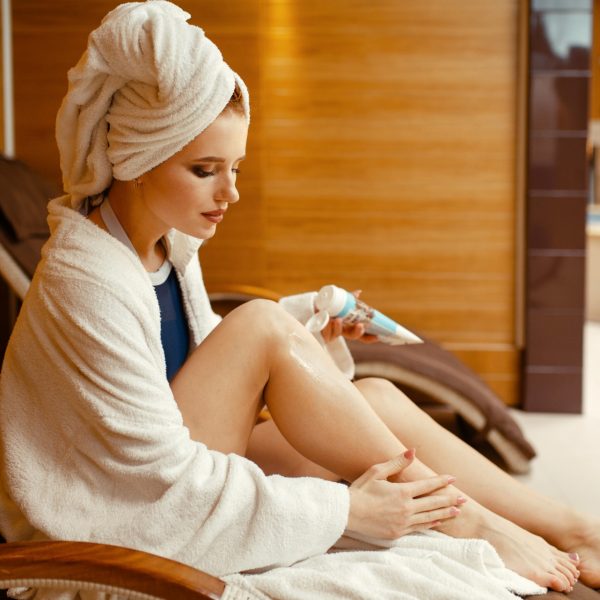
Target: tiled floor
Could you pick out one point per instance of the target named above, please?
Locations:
(568, 463)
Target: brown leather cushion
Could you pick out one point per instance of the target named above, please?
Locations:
(24, 197)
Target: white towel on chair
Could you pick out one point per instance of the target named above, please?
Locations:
(430, 566)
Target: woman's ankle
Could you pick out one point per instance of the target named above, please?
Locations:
(471, 523)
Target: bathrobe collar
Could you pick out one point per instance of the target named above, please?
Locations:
(181, 248)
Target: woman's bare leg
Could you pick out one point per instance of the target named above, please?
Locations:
(263, 351)
(276, 456)
(485, 482)
(265, 355)
(480, 479)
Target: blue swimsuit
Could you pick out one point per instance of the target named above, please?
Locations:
(174, 332)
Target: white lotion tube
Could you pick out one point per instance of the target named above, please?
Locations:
(335, 302)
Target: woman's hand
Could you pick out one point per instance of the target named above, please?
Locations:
(337, 327)
(382, 509)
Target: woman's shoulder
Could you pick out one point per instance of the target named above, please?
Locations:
(81, 257)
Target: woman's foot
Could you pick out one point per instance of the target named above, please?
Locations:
(527, 554)
(531, 556)
(584, 540)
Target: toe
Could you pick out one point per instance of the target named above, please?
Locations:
(570, 575)
(559, 582)
(567, 565)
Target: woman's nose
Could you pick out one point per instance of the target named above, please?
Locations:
(228, 192)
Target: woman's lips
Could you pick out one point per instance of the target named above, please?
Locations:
(215, 216)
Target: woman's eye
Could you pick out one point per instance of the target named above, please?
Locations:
(200, 172)
(236, 171)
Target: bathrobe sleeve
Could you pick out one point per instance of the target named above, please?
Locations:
(97, 448)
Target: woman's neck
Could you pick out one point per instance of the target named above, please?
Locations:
(142, 230)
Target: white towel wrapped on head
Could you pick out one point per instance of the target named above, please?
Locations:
(147, 85)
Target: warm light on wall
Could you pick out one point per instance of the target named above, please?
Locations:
(280, 25)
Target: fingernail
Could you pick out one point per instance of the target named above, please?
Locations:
(461, 500)
(451, 479)
(410, 453)
(574, 556)
(455, 511)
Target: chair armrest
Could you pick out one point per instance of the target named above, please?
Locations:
(53, 562)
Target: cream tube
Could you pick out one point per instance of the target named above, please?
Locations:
(335, 302)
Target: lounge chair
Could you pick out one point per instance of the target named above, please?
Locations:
(439, 381)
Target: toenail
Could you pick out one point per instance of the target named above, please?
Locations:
(574, 556)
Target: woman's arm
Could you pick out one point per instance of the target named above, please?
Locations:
(97, 450)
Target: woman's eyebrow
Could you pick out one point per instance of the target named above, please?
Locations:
(215, 159)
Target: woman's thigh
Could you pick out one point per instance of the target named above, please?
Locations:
(219, 388)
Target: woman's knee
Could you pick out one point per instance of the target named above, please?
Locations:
(265, 319)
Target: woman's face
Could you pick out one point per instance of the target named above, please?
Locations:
(192, 190)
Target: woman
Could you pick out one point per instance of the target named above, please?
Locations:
(127, 407)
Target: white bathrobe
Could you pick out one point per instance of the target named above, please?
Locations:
(93, 445)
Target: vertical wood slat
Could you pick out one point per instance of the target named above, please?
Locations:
(381, 153)
(1, 86)
(5, 292)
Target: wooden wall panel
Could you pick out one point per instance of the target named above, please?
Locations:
(389, 136)
(48, 39)
(381, 153)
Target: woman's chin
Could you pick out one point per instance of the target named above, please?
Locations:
(200, 233)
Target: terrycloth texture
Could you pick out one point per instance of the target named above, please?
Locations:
(428, 566)
(155, 80)
(92, 443)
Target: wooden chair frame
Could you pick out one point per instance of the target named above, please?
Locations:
(104, 568)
